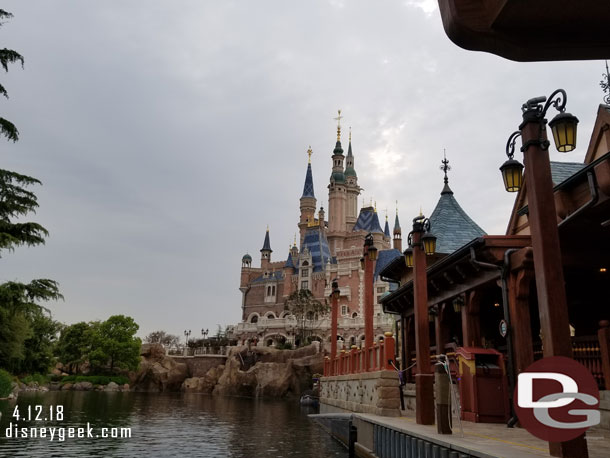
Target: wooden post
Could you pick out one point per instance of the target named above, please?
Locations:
(333, 325)
(424, 379)
(518, 304)
(442, 397)
(604, 345)
(368, 306)
(550, 284)
(471, 325)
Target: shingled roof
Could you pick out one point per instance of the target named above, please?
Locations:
(368, 221)
(385, 257)
(561, 171)
(451, 225)
(315, 241)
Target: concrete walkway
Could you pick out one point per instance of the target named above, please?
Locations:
(487, 440)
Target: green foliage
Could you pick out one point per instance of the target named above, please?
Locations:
(74, 344)
(27, 331)
(6, 383)
(284, 346)
(307, 311)
(114, 344)
(95, 379)
(163, 338)
(37, 378)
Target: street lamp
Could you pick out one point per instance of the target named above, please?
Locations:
(204, 333)
(370, 256)
(187, 335)
(334, 295)
(548, 267)
(422, 243)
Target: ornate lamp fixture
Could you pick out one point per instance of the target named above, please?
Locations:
(335, 289)
(563, 125)
(428, 240)
(371, 250)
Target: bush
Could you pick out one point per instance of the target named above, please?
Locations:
(284, 346)
(95, 379)
(6, 383)
(38, 378)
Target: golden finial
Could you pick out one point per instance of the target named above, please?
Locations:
(267, 228)
(396, 207)
(295, 239)
(350, 134)
(338, 119)
(421, 213)
(375, 206)
(309, 153)
(386, 213)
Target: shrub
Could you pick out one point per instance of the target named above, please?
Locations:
(6, 383)
(38, 378)
(95, 379)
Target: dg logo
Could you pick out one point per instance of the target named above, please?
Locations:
(557, 399)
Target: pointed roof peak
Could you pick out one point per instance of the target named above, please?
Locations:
(445, 167)
(266, 243)
(308, 186)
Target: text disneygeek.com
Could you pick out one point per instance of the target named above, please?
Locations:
(61, 433)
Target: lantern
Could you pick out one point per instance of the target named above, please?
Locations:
(409, 257)
(512, 173)
(429, 242)
(564, 131)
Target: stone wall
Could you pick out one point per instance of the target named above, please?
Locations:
(199, 365)
(368, 392)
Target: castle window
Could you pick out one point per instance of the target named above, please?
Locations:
(254, 319)
(344, 310)
(273, 290)
(380, 289)
(305, 284)
(304, 272)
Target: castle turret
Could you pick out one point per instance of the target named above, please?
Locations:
(353, 190)
(397, 233)
(337, 195)
(266, 251)
(308, 200)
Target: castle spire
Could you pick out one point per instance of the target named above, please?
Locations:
(308, 187)
(445, 167)
(386, 229)
(266, 243)
(396, 222)
(338, 119)
(397, 232)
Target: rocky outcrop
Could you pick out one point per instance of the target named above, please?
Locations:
(263, 371)
(253, 372)
(158, 372)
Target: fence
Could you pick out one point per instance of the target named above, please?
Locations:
(379, 357)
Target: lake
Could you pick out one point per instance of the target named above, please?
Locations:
(161, 425)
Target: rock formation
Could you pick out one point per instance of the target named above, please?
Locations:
(158, 372)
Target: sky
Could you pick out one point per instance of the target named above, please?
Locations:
(169, 134)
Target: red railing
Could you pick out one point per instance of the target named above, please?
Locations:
(355, 360)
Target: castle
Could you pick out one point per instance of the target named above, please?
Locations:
(328, 249)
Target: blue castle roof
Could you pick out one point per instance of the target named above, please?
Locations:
(315, 241)
(368, 221)
(308, 187)
(385, 257)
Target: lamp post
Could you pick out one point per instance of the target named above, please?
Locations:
(334, 295)
(370, 257)
(550, 285)
(204, 333)
(187, 335)
(421, 243)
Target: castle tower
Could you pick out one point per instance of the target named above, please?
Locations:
(266, 252)
(308, 201)
(397, 233)
(337, 196)
(353, 190)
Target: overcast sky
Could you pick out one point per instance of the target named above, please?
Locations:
(169, 134)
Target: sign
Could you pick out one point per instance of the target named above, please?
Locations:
(503, 328)
(557, 399)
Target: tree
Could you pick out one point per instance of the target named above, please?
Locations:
(74, 345)
(114, 344)
(163, 338)
(22, 320)
(307, 310)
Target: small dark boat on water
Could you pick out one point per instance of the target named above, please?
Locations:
(309, 400)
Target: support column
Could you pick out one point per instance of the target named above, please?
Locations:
(550, 283)
(333, 325)
(471, 324)
(424, 379)
(441, 330)
(604, 345)
(521, 330)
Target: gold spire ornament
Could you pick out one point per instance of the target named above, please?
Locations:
(338, 119)
(295, 239)
(350, 134)
(309, 153)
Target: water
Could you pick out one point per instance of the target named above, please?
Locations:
(167, 425)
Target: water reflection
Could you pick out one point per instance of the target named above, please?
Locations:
(171, 425)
